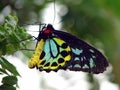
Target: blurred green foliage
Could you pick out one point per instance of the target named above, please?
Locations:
(11, 39)
(96, 21)
(11, 34)
(9, 81)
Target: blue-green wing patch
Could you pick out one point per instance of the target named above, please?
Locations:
(55, 54)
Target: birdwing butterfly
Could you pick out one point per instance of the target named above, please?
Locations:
(60, 50)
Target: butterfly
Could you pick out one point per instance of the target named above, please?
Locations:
(57, 50)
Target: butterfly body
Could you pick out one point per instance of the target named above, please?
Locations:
(60, 50)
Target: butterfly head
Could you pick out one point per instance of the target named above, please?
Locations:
(46, 32)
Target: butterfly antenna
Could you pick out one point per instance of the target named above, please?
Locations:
(41, 25)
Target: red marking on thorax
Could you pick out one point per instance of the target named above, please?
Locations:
(47, 31)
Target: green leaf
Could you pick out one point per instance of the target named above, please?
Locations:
(10, 80)
(3, 71)
(13, 20)
(8, 27)
(10, 48)
(7, 87)
(3, 47)
(2, 31)
(10, 67)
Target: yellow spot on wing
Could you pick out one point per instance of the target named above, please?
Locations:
(59, 41)
(54, 67)
(34, 61)
(67, 58)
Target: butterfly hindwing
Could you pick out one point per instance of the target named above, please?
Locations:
(54, 55)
